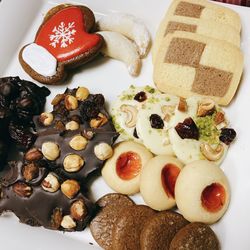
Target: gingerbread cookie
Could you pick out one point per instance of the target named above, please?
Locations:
(63, 41)
(197, 236)
(102, 225)
(127, 231)
(160, 229)
(39, 197)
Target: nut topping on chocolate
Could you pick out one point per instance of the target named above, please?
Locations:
(33, 154)
(205, 107)
(182, 106)
(82, 93)
(103, 151)
(46, 118)
(50, 150)
(30, 171)
(71, 102)
(72, 125)
(70, 188)
(78, 210)
(99, 121)
(51, 183)
(56, 218)
(68, 222)
(73, 163)
(78, 142)
(22, 189)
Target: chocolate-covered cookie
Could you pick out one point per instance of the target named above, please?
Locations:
(196, 236)
(160, 229)
(39, 197)
(102, 225)
(63, 41)
(126, 232)
(76, 137)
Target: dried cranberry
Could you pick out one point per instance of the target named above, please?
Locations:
(156, 121)
(89, 110)
(135, 134)
(227, 135)
(187, 129)
(140, 96)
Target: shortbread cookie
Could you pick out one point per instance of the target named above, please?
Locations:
(160, 229)
(152, 124)
(121, 48)
(159, 176)
(122, 171)
(202, 192)
(204, 27)
(62, 42)
(102, 225)
(127, 231)
(129, 26)
(202, 9)
(125, 109)
(190, 64)
(197, 133)
(195, 235)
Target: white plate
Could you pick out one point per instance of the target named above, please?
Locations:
(19, 21)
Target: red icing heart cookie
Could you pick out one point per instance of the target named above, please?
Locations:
(63, 41)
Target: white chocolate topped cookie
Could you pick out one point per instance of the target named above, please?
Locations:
(125, 109)
(153, 124)
(197, 133)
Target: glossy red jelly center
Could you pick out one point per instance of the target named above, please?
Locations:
(169, 175)
(213, 197)
(128, 165)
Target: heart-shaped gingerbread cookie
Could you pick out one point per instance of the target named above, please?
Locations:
(63, 41)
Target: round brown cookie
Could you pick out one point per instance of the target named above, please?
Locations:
(195, 236)
(160, 230)
(114, 199)
(102, 225)
(127, 230)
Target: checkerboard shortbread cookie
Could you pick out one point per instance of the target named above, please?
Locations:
(200, 26)
(190, 64)
(202, 9)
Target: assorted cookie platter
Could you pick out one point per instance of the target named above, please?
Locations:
(128, 130)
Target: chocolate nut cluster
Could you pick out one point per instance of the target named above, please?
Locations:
(20, 100)
(48, 187)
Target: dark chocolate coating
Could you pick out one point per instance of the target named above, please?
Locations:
(105, 133)
(37, 209)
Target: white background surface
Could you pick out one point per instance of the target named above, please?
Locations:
(19, 21)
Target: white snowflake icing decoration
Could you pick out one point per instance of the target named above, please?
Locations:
(63, 35)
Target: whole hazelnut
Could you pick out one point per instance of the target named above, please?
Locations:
(50, 150)
(50, 183)
(33, 154)
(82, 93)
(72, 125)
(70, 188)
(30, 171)
(70, 102)
(103, 151)
(78, 210)
(68, 222)
(46, 118)
(78, 142)
(73, 163)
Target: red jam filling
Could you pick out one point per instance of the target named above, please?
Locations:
(128, 165)
(213, 197)
(169, 175)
